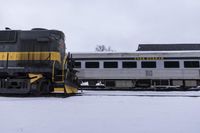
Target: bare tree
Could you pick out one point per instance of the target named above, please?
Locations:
(103, 48)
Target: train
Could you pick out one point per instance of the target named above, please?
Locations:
(140, 70)
(35, 62)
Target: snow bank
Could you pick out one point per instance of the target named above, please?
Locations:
(101, 114)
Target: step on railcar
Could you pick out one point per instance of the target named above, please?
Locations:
(34, 62)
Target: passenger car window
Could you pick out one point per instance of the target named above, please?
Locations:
(92, 64)
(171, 64)
(148, 64)
(110, 64)
(128, 64)
(191, 64)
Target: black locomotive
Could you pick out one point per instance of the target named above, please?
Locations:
(34, 61)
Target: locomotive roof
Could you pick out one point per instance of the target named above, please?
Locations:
(33, 30)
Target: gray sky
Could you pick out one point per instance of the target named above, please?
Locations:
(121, 24)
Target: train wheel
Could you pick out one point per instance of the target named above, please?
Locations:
(35, 89)
(45, 87)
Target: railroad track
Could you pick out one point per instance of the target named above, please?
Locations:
(141, 94)
(115, 94)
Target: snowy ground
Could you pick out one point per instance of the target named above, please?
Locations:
(103, 112)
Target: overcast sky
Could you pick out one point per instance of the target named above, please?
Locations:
(121, 24)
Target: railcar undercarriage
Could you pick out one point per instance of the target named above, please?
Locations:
(141, 84)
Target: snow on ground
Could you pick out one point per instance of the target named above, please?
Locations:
(103, 112)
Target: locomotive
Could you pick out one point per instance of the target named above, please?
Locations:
(34, 62)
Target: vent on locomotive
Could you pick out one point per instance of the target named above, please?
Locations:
(34, 52)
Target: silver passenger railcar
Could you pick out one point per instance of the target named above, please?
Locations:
(142, 69)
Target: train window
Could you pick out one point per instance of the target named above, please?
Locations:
(171, 64)
(8, 36)
(148, 64)
(128, 64)
(191, 64)
(110, 64)
(77, 64)
(92, 64)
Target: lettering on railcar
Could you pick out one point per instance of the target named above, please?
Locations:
(148, 58)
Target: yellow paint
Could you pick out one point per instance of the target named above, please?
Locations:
(34, 77)
(3, 55)
(68, 89)
(53, 71)
(12, 56)
(59, 90)
(63, 68)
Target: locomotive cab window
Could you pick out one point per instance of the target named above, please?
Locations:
(191, 64)
(77, 64)
(128, 64)
(92, 64)
(110, 64)
(8, 36)
(171, 64)
(148, 64)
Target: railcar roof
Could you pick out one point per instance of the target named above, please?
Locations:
(139, 54)
(169, 47)
(186, 51)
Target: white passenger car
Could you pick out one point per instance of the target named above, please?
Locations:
(140, 69)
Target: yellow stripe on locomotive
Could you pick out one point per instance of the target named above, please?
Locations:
(17, 56)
